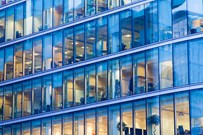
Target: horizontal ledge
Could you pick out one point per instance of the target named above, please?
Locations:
(104, 103)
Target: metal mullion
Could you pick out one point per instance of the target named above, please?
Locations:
(174, 114)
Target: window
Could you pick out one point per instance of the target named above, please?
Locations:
(36, 127)
(79, 123)
(58, 12)
(79, 43)
(26, 128)
(90, 122)
(152, 70)
(124, 2)
(7, 130)
(102, 121)
(37, 96)
(179, 18)
(17, 95)
(16, 130)
(57, 91)
(114, 120)
(47, 93)
(37, 52)
(19, 10)
(2, 26)
(102, 5)
(47, 14)
(166, 67)
(79, 86)
(68, 124)
(114, 79)
(90, 84)
(37, 15)
(68, 88)
(27, 94)
(138, 13)
(46, 126)
(28, 60)
(113, 3)
(180, 57)
(126, 29)
(57, 49)
(28, 17)
(102, 81)
(9, 23)
(167, 114)
(79, 9)
(1, 65)
(68, 11)
(1, 103)
(183, 113)
(101, 43)
(18, 62)
(57, 125)
(165, 19)
(8, 103)
(68, 46)
(47, 52)
(9, 63)
(90, 7)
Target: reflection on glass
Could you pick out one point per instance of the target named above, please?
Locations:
(165, 66)
(90, 7)
(56, 125)
(8, 103)
(57, 91)
(127, 117)
(57, 49)
(102, 79)
(37, 52)
(68, 46)
(9, 63)
(79, 123)
(2, 26)
(79, 43)
(47, 93)
(113, 3)
(7, 130)
(46, 126)
(114, 79)
(139, 73)
(101, 43)
(28, 59)
(47, 52)
(68, 88)
(167, 114)
(36, 127)
(9, 23)
(90, 84)
(58, 12)
(68, 124)
(79, 86)
(1, 103)
(19, 20)
(79, 9)
(114, 120)
(102, 5)
(90, 122)
(37, 97)
(17, 97)
(126, 75)
(182, 112)
(68, 11)
(26, 128)
(102, 121)
(27, 94)
(18, 62)
(16, 130)
(28, 17)
(1, 65)
(47, 14)
(37, 15)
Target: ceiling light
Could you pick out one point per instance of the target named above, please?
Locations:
(127, 36)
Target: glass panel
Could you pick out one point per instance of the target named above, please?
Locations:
(152, 70)
(57, 49)
(124, 2)
(79, 43)
(179, 18)
(36, 127)
(68, 124)
(1, 65)
(37, 97)
(114, 120)
(102, 81)
(196, 63)
(46, 126)
(57, 91)
(27, 97)
(180, 56)
(47, 52)
(139, 25)
(79, 86)
(16, 129)
(9, 24)
(113, 33)
(2, 26)
(90, 84)
(79, 9)
(18, 59)
(28, 60)
(90, 39)
(167, 114)
(79, 123)
(126, 29)
(68, 46)
(101, 45)
(140, 117)
(47, 93)
(114, 79)
(90, 122)
(126, 75)
(28, 17)
(37, 15)
(102, 121)
(165, 20)
(19, 20)
(47, 14)
(57, 125)
(139, 73)
(37, 52)
(113, 3)
(127, 117)
(1, 103)
(9, 62)
(90, 7)
(68, 88)
(68, 11)
(7, 130)
(17, 95)
(153, 118)
(8, 103)
(151, 22)
(58, 12)
(26, 128)
(165, 65)
(182, 112)
(102, 5)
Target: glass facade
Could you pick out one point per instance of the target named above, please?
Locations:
(101, 67)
